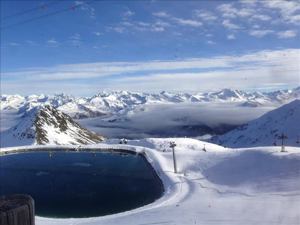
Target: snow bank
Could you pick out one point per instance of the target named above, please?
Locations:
(220, 186)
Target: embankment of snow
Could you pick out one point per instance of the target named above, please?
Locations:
(220, 186)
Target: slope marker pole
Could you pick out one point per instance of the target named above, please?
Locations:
(172, 146)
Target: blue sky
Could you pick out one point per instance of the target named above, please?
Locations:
(83, 47)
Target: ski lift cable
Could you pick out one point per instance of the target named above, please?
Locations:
(24, 12)
(73, 7)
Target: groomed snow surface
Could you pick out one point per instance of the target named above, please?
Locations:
(258, 185)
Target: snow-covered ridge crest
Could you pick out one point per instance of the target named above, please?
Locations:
(265, 130)
(107, 103)
(47, 125)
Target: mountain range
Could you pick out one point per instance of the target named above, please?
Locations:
(108, 103)
(64, 119)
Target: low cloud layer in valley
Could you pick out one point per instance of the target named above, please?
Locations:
(184, 119)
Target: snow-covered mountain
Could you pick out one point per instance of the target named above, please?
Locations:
(137, 115)
(266, 130)
(108, 103)
(47, 125)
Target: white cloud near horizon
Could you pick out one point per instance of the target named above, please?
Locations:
(257, 70)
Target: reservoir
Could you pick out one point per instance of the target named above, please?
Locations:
(67, 184)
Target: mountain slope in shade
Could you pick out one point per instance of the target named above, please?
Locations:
(265, 130)
(46, 125)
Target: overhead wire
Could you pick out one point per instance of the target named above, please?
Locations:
(72, 7)
(24, 12)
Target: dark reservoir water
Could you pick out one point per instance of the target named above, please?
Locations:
(85, 184)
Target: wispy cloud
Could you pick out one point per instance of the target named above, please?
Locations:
(97, 33)
(287, 34)
(205, 15)
(231, 37)
(128, 13)
(75, 39)
(14, 44)
(249, 2)
(227, 10)
(210, 42)
(262, 70)
(158, 29)
(178, 20)
(155, 26)
(31, 43)
(251, 17)
(188, 22)
(260, 33)
(264, 10)
(84, 6)
(261, 17)
(289, 10)
(229, 25)
(119, 29)
(285, 61)
(52, 42)
(162, 14)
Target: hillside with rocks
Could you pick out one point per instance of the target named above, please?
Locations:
(47, 125)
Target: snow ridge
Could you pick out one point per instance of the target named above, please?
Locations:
(266, 130)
